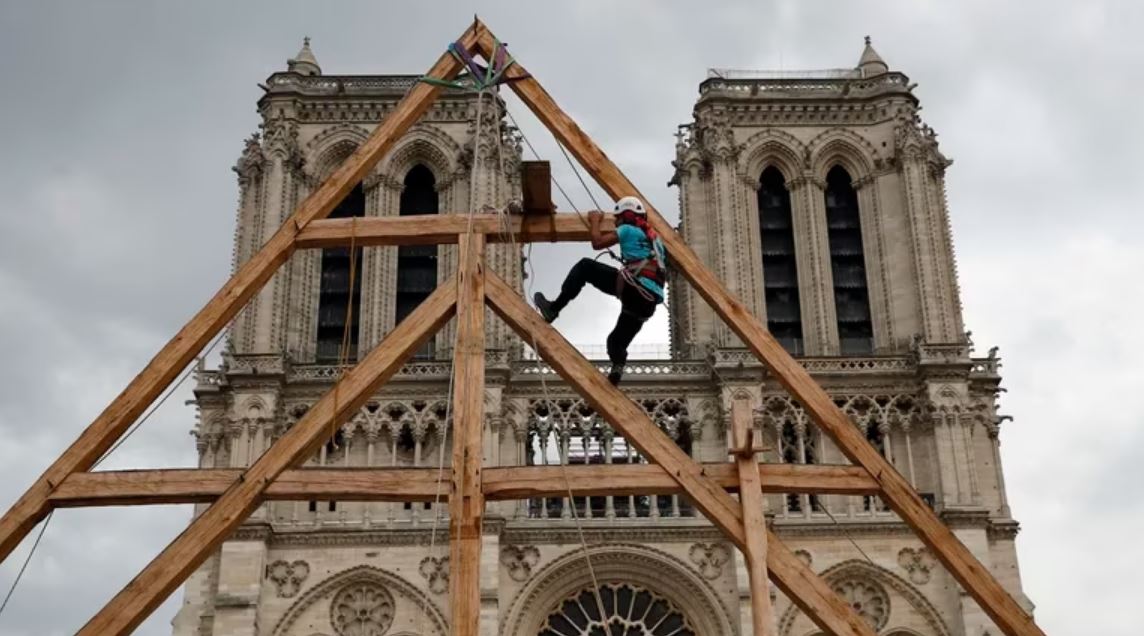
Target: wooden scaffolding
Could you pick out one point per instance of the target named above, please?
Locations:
(234, 494)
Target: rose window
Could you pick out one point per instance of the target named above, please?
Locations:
(868, 600)
(362, 609)
(628, 611)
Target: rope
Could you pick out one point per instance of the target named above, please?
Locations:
(344, 349)
(547, 399)
(20, 574)
(452, 364)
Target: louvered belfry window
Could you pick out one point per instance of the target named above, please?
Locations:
(780, 269)
(338, 299)
(416, 264)
(848, 264)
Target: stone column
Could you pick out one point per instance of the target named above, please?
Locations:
(689, 310)
(878, 280)
(815, 279)
(241, 567)
(924, 196)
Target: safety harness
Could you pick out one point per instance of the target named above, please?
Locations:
(650, 267)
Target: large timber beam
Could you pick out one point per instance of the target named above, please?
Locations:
(204, 485)
(896, 491)
(466, 501)
(755, 524)
(801, 584)
(443, 229)
(165, 572)
(181, 350)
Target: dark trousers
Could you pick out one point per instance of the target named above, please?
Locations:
(636, 308)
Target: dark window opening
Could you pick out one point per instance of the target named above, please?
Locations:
(792, 454)
(780, 269)
(848, 265)
(416, 264)
(877, 439)
(337, 301)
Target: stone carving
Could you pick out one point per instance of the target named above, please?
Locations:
(867, 598)
(288, 576)
(520, 561)
(251, 161)
(709, 558)
(918, 563)
(626, 612)
(804, 556)
(362, 609)
(436, 572)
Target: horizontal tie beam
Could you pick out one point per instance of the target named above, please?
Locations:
(143, 487)
(438, 229)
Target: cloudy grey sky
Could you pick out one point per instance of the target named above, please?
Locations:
(119, 123)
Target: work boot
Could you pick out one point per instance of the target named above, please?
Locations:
(615, 374)
(545, 307)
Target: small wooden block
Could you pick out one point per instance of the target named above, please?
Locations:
(536, 186)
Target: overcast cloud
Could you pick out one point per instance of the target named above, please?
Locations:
(119, 123)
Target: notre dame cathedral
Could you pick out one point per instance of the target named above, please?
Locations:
(818, 197)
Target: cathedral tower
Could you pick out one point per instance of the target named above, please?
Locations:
(818, 197)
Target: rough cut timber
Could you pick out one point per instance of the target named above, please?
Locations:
(165, 572)
(536, 186)
(896, 491)
(803, 586)
(142, 391)
(204, 485)
(754, 524)
(466, 502)
(241, 495)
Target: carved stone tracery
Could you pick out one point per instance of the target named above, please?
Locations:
(362, 609)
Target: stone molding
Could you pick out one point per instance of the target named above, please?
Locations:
(627, 562)
(392, 583)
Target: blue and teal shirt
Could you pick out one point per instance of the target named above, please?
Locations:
(635, 246)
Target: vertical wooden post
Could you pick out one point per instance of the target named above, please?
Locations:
(754, 522)
(466, 501)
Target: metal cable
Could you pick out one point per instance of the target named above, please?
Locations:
(20, 574)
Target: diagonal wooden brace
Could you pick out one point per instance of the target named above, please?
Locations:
(801, 584)
(110, 425)
(896, 491)
(147, 590)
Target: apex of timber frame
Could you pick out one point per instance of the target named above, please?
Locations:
(68, 480)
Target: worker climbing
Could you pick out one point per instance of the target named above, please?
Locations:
(638, 283)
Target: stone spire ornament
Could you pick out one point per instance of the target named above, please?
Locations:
(871, 63)
(304, 63)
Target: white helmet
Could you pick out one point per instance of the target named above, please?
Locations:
(631, 203)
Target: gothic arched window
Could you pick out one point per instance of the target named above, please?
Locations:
(848, 264)
(628, 610)
(416, 264)
(780, 270)
(798, 446)
(339, 302)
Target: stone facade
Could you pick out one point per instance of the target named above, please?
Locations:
(356, 569)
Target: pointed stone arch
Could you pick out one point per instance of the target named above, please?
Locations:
(635, 564)
(330, 147)
(434, 623)
(903, 589)
(427, 145)
(839, 146)
(772, 148)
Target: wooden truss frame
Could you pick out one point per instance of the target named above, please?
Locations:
(234, 494)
